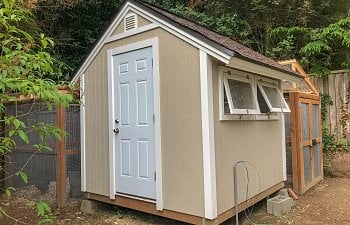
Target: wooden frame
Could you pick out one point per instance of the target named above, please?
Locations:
(295, 98)
(149, 207)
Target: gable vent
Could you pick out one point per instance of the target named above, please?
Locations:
(130, 22)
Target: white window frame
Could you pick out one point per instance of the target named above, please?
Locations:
(262, 81)
(225, 75)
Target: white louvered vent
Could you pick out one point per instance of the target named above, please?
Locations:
(130, 22)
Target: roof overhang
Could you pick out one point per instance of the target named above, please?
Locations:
(254, 67)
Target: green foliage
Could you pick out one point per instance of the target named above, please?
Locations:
(321, 50)
(75, 25)
(326, 100)
(328, 140)
(9, 191)
(26, 63)
(44, 211)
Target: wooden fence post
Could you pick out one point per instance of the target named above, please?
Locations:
(61, 160)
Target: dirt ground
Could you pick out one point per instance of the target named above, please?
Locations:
(326, 203)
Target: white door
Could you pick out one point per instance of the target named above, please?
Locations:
(134, 123)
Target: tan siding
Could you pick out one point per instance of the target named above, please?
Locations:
(180, 116)
(258, 142)
(119, 29)
(96, 106)
(181, 126)
(140, 22)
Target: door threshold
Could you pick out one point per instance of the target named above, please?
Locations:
(136, 198)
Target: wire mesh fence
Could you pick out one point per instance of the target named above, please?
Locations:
(41, 166)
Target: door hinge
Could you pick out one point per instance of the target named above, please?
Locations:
(152, 62)
(154, 118)
(155, 175)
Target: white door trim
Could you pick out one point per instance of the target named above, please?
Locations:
(153, 42)
(208, 142)
(82, 133)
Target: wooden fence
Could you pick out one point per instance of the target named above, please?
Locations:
(337, 86)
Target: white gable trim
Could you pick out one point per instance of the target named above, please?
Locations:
(131, 33)
(208, 142)
(221, 56)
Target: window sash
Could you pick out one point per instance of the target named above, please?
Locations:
(227, 90)
(285, 107)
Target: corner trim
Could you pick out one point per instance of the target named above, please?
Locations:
(209, 169)
(82, 133)
(283, 147)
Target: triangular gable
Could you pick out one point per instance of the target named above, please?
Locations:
(298, 68)
(115, 32)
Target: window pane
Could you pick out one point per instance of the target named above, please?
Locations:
(317, 160)
(315, 121)
(305, 121)
(274, 97)
(226, 105)
(307, 166)
(242, 94)
(264, 108)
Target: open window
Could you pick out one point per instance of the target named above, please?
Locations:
(270, 97)
(239, 93)
(249, 97)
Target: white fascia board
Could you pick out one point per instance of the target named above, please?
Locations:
(245, 65)
(219, 55)
(208, 141)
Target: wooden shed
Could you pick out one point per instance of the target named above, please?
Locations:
(169, 107)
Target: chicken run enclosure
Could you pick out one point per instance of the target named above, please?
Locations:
(303, 132)
(45, 168)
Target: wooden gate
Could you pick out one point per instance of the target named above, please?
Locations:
(305, 139)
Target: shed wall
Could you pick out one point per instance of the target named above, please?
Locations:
(259, 142)
(180, 122)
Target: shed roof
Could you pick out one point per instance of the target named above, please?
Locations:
(218, 41)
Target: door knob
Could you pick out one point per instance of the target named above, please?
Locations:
(116, 121)
(116, 131)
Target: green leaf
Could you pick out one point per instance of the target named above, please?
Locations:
(11, 133)
(17, 123)
(23, 136)
(9, 191)
(23, 176)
